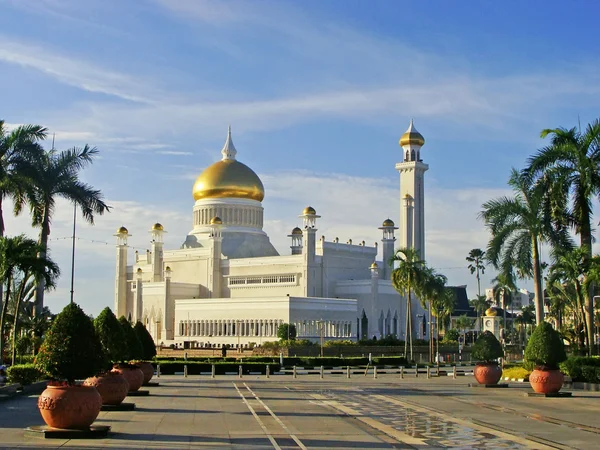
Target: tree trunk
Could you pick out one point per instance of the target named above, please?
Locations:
(41, 286)
(537, 282)
(3, 319)
(16, 321)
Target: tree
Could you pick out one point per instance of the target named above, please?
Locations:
(407, 279)
(18, 258)
(545, 347)
(568, 171)
(148, 345)
(111, 335)
(56, 174)
(433, 291)
(134, 346)
(476, 265)
(71, 350)
(464, 323)
(286, 331)
(518, 226)
(503, 290)
(480, 304)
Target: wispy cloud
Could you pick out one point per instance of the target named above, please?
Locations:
(174, 153)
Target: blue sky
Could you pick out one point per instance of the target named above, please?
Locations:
(317, 93)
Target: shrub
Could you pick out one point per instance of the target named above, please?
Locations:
(286, 331)
(24, 374)
(134, 347)
(573, 366)
(487, 348)
(111, 335)
(340, 343)
(545, 347)
(451, 335)
(71, 349)
(516, 372)
(148, 346)
(390, 361)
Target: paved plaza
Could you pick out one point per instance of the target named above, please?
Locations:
(335, 412)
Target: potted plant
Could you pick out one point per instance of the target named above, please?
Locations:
(546, 350)
(112, 386)
(486, 351)
(131, 372)
(148, 351)
(71, 351)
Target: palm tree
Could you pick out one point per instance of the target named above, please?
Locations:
(476, 265)
(569, 170)
(19, 255)
(56, 174)
(480, 304)
(443, 303)
(407, 279)
(518, 226)
(503, 290)
(433, 286)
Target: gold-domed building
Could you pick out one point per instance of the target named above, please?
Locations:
(227, 284)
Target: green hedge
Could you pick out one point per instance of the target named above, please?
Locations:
(582, 368)
(196, 367)
(24, 374)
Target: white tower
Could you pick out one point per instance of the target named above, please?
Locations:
(388, 241)
(309, 216)
(412, 197)
(121, 276)
(157, 231)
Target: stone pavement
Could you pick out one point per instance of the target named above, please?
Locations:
(335, 412)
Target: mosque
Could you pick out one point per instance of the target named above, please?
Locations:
(227, 284)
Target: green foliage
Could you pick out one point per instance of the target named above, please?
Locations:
(111, 335)
(134, 346)
(517, 373)
(545, 347)
(71, 349)
(148, 346)
(24, 374)
(578, 367)
(487, 348)
(451, 335)
(340, 343)
(387, 341)
(286, 331)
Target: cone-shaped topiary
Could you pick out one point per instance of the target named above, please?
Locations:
(148, 346)
(545, 347)
(111, 335)
(487, 348)
(134, 347)
(71, 349)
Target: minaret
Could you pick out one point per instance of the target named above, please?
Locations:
(157, 251)
(388, 241)
(373, 331)
(296, 236)
(412, 197)
(228, 151)
(214, 263)
(121, 276)
(309, 217)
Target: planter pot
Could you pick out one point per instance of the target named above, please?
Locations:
(132, 374)
(112, 387)
(148, 371)
(546, 381)
(487, 373)
(70, 407)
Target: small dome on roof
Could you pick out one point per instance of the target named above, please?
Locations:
(216, 221)
(157, 227)
(388, 223)
(374, 266)
(309, 211)
(491, 312)
(296, 231)
(122, 230)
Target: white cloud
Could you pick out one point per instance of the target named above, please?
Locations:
(174, 153)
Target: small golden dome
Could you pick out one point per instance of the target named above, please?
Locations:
(412, 136)
(309, 211)
(122, 230)
(374, 266)
(139, 270)
(388, 223)
(491, 312)
(157, 227)
(216, 221)
(296, 231)
(168, 268)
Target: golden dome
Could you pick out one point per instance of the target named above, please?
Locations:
(388, 223)
(374, 266)
(122, 230)
(309, 211)
(296, 231)
(412, 137)
(216, 221)
(228, 178)
(157, 227)
(491, 312)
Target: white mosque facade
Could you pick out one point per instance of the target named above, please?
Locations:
(227, 284)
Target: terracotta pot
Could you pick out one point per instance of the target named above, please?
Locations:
(133, 375)
(148, 370)
(70, 407)
(546, 381)
(487, 373)
(112, 387)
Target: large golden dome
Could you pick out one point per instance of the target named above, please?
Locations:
(228, 178)
(412, 136)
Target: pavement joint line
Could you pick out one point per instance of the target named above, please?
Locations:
(260, 422)
(277, 419)
(469, 423)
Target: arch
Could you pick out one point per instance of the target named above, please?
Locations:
(395, 324)
(388, 323)
(380, 324)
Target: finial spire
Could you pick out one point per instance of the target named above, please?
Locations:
(229, 150)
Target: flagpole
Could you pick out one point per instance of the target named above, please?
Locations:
(73, 252)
